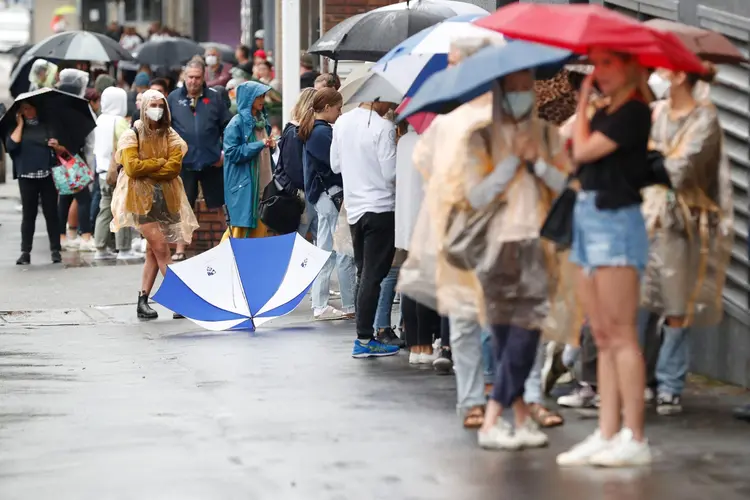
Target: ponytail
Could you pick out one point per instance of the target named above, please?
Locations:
(326, 97)
(306, 124)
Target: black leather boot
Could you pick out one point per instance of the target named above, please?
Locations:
(144, 310)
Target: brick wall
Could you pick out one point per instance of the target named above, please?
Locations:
(338, 10)
(212, 227)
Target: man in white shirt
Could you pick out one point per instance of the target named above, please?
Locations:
(364, 152)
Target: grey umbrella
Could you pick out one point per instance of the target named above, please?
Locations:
(79, 46)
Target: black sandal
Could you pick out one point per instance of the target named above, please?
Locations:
(178, 257)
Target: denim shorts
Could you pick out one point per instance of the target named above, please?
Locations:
(608, 238)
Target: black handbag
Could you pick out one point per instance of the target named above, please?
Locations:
(280, 210)
(558, 226)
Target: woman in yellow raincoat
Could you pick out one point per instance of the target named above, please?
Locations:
(149, 195)
(690, 226)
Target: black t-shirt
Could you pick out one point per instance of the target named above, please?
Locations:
(619, 176)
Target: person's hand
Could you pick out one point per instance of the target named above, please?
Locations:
(54, 145)
(586, 87)
(525, 148)
(161, 161)
(270, 143)
(220, 161)
(19, 120)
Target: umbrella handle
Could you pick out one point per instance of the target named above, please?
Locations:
(226, 217)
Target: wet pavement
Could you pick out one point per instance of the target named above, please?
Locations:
(113, 408)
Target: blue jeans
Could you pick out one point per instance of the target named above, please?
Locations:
(309, 222)
(327, 218)
(608, 238)
(674, 360)
(488, 357)
(96, 198)
(385, 301)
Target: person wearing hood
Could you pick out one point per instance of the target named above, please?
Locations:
(76, 208)
(217, 73)
(247, 158)
(149, 195)
(104, 81)
(42, 75)
(140, 85)
(110, 126)
(199, 115)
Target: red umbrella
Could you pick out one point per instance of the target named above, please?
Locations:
(580, 28)
(419, 121)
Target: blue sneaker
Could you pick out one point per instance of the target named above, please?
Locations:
(373, 348)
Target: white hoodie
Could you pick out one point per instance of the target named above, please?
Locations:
(110, 124)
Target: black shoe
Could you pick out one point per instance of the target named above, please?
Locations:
(144, 310)
(177, 316)
(668, 404)
(24, 259)
(388, 337)
(742, 413)
(56, 257)
(444, 364)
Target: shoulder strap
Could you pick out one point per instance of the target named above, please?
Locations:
(137, 137)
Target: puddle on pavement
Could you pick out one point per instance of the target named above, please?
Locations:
(16, 376)
(57, 317)
(86, 259)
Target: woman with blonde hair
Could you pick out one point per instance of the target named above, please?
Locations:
(149, 195)
(610, 247)
(323, 189)
(288, 173)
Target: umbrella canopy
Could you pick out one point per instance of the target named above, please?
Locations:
(168, 52)
(582, 27)
(356, 79)
(19, 50)
(707, 45)
(393, 81)
(448, 89)
(242, 283)
(69, 117)
(437, 39)
(64, 10)
(80, 46)
(369, 36)
(226, 51)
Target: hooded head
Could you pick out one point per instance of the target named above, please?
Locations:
(246, 94)
(141, 80)
(114, 101)
(42, 72)
(150, 101)
(104, 81)
(73, 81)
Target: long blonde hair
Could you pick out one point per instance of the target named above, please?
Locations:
(323, 97)
(304, 101)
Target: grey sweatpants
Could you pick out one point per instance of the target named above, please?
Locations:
(102, 234)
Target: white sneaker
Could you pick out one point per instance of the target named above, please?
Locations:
(87, 245)
(624, 451)
(499, 437)
(328, 313)
(135, 245)
(128, 255)
(73, 245)
(105, 254)
(428, 359)
(582, 397)
(529, 435)
(581, 453)
(414, 358)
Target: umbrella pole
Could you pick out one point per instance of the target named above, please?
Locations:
(335, 67)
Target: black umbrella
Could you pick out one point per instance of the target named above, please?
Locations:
(80, 46)
(369, 36)
(69, 117)
(226, 51)
(19, 77)
(19, 50)
(169, 52)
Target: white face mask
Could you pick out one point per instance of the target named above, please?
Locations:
(155, 114)
(518, 104)
(659, 85)
(211, 60)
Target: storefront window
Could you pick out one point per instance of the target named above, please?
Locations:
(139, 11)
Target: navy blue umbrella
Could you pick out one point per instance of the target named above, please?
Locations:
(446, 90)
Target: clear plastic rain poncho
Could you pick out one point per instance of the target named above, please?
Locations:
(516, 278)
(42, 74)
(149, 189)
(73, 81)
(691, 225)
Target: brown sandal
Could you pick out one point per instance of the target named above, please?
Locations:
(544, 417)
(474, 418)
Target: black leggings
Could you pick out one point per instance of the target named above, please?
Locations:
(83, 198)
(31, 191)
(421, 324)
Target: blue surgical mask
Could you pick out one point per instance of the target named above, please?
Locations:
(518, 104)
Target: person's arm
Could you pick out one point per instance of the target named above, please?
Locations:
(172, 167)
(482, 190)
(14, 139)
(587, 146)
(236, 151)
(386, 147)
(136, 168)
(319, 147)
(335, 154)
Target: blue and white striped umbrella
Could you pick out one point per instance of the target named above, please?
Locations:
(437, 39)
(242, 283)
